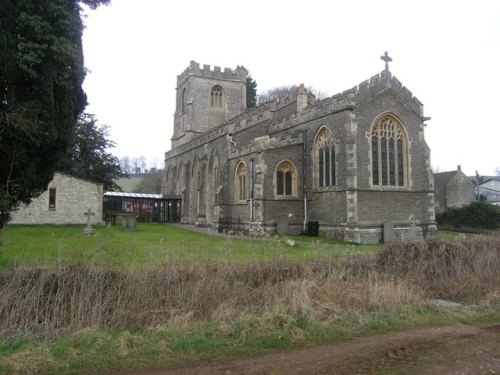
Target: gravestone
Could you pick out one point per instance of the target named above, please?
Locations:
(282, 224)
(413, 226)
(127, 220)
(388, 231)
(88, 228)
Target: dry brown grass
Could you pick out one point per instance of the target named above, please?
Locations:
(39, 301)
(467, 269)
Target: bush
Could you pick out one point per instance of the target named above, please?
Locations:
(480, 215)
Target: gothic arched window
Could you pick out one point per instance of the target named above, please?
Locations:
(325, 159)
(389, 147)
(286, 178)
(241, 182)
(217, 97)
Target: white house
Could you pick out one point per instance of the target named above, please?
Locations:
(489, 190)
(66, 201)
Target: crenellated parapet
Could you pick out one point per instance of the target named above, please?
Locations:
(382, 81)
(321, 108)
(267, 143)
(198, 141)
(238, 74)
(249, 118)
(348, 99)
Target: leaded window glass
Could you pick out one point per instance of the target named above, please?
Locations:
(284, 178)
(389, 145)
(241, 182)
(217, 97)
(326, 168)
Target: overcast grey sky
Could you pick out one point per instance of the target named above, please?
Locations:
(446, 52)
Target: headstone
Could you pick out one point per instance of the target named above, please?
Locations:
(88, 228)
(388, 231)
(413, 226)
(283, 224)
(127, 221)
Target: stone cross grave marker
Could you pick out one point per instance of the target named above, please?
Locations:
(88, 228)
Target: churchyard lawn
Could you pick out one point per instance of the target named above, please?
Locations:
(154, 244)
(164, 297)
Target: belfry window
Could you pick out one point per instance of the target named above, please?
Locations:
(389, 148)
(325, 159)
(217, 97)
(241, 182)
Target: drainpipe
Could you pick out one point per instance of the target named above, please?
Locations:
(304, 178)
(251, 191)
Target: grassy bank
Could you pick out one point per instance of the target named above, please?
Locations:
(93, 318)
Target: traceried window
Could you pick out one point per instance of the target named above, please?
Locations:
(285, 179)
(241, 182)
(217, 97)
(389, 148)
(52, 199)
(325, 159)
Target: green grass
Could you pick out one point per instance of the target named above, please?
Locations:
(99, 352)
(152, 244)
(449, 235)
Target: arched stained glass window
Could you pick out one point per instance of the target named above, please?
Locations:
(285, 179)
(241, 182)
(389, 149)
(325, 159)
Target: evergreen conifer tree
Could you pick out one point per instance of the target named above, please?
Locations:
(251, 92)
(41, 95)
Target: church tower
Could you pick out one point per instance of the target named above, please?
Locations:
(206, 98)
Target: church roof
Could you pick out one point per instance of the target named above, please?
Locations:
(132, 195)
(442, 179)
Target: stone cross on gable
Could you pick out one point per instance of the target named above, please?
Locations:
(386, 59)
(88, 228)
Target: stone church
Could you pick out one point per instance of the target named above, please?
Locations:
(356, 165)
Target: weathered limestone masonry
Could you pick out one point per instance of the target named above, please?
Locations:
(453, 189)
(66, 201)
(355, 163)
(199, 106)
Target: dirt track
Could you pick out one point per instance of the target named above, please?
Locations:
(454, 350)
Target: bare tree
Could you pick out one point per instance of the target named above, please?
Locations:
(282, 91)
(275, 93)
(151, 182)
(125, 164)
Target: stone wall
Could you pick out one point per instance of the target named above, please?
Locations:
(459, 191)
(194, 114)
(74, 197)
